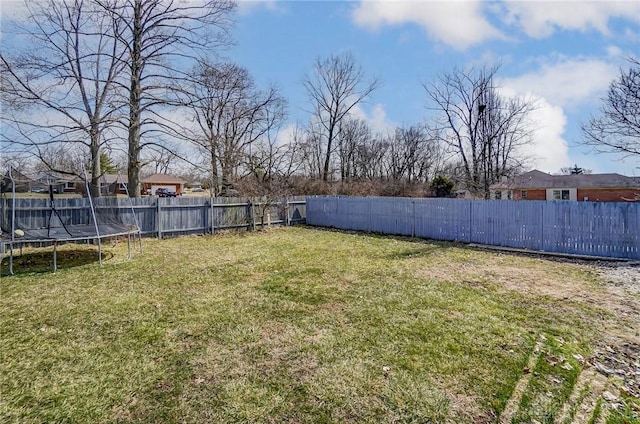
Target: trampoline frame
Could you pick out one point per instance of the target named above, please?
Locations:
(91, 232)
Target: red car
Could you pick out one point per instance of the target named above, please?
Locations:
(164, 192)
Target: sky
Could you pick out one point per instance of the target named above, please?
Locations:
(563, 53)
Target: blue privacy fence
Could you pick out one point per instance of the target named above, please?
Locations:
(585, 228)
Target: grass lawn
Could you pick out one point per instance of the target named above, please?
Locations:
(303, 325)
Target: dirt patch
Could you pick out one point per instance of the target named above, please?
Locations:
(613, 288)
(626, 277)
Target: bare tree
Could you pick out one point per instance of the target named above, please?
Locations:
(480, 125)
(413, 154)
(230, 115)
(371, 158)
(617, 127)
(313, 151)
(61, 89)
(336, 85)
(162, 159)
(161, 38)
(271, 165)
(354, 134)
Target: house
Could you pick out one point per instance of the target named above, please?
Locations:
(113, 184)
(156, 181)
(59, 182)
(538, 185)
(197, 185)
(42, 182)
(21, 183)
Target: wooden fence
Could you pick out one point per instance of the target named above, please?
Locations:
(584, 228)
(158, 216)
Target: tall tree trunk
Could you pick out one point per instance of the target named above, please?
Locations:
(133, 169)
(94, 188)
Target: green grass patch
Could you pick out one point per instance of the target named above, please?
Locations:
(595, 415)
(552, 381)
(627, 413)
(295, 325)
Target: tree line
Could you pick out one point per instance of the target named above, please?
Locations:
(146, 82)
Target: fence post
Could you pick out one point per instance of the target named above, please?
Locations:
(158, 223)
(252, 220)
(286, 210)
(213, 214)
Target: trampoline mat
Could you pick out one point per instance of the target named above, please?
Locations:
(72, 232)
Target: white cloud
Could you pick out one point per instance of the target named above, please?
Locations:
(567, 83)
(247, 6)
(541, 19)
(462, 24)
(614, 52)
(459, 24)
(12, 10)
(286, 134)
(377, 119)
(549, 150)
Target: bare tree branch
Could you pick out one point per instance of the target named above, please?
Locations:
(480, 125)
(63, 90)
(336, 85)
(616, 129)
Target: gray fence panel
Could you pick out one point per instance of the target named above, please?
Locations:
(183, 215)
(507, 223)
(585, 228)
(354, 213)
(158, 216)
(321, 211)
(297, 210)
(591, 228)
(391, 216)
(442, 219)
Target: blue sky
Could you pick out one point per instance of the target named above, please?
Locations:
(565, 53)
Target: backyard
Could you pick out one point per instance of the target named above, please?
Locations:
(305, 325)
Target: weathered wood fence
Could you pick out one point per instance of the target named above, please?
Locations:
(159, 216)
(584, 228)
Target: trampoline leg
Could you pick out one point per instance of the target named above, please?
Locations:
(100, 252)
(55, 256)
(11, 258)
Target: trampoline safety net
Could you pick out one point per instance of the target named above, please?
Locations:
(62, 217)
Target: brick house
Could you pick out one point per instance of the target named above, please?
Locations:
(114, 183)
(156, 181)
(59, 183)
(537, 185)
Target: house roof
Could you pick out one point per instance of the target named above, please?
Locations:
(17, 176)
(53, 177)
(114, 178)
(162, 179)
(540, 180)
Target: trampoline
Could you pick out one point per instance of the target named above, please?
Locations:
(55, 220)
